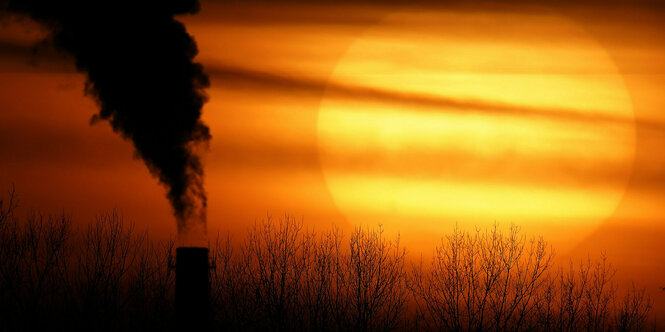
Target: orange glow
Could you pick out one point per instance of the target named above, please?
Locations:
(444, 166)
(419, 117)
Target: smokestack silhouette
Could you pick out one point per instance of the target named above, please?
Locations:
(139, 65)
(192, 289)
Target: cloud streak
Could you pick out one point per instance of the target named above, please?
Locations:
(230, 75)
(238, 77)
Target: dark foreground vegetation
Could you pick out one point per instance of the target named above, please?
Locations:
(282, 277)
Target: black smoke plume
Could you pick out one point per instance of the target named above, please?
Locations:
(139, 65)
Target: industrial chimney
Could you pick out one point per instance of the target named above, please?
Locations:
(192, 289)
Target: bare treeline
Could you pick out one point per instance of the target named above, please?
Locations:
(496, 281)
(283, 277)
(103, 277)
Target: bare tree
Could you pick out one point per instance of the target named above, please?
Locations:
(482, 281)
(45, 242)
(633, 311)
(98, 275)
(322, 286)
(272, 259)
(374, 273)
(32, 252)
(229, 287)
(13, 255)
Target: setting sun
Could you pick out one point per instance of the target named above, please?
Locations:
(431, 166)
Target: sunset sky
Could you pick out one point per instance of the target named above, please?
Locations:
(418, 117)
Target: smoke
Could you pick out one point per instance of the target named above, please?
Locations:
(139, 65)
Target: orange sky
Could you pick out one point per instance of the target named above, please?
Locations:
(416, 117)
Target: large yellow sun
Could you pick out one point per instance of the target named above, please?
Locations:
(433, 120)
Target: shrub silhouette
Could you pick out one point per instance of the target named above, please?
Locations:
(283, 277)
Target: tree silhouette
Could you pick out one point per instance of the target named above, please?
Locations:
(283, 277)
